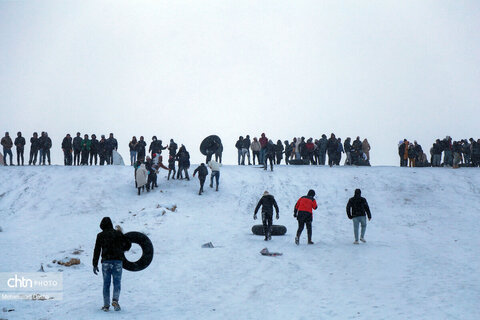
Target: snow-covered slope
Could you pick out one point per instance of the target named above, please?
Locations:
(421, 260)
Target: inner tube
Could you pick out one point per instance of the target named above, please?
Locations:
(210, 145)
(277, 230)
(147, 251)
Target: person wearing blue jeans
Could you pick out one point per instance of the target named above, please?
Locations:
(215, 167)
(358, 211)
(112, 244)
(111, 269)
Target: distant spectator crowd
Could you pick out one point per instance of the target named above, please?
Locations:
(301, 151)
(465, 153)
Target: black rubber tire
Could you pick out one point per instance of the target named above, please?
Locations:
(147, 252)
(210, 144)
(277, 230)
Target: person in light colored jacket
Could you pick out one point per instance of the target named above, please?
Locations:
(366, 148)
(215, 167)
(255, 146)
(141, 176)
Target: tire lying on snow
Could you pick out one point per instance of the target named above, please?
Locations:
(147, 252)
(277, 230)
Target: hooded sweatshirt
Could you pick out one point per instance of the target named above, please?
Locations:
(110, 242)
(357, 206)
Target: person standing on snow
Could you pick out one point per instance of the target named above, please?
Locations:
(267, 201)
(172, 148)
(77, 149)
(357, 206)
(141, 177)
(239, 146)
(183, 158)
(94, 146)
(111, 145)
(112, 244)
(303, 213)
(269, 155)
(45, 145)
(263, 148)
(20, 144)
(34, 147)
(246, 145)
(215, 167)
(86, 143)
(67, 150)
(202, 175)
(256, 147)
(140, 147)
(132, 146)
(7, 145)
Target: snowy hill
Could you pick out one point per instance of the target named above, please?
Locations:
(421, 260)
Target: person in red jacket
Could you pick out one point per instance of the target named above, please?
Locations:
(303, 213)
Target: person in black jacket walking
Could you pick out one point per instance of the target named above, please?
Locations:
(112, 244)
(67, 150)
(202, 175)
(357, 207)
(267, 201)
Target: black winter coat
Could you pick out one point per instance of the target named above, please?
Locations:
(332, 145)
(110, 242)
(267, 202)
(77, 144)
(357, 206)
(94, 146)
(67, 144)
(202, 172)
(20, 141)
(35, 144)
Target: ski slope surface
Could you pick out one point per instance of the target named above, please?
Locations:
(421, 259)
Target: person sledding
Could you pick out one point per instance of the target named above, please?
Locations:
(303, 213)
(267, 201)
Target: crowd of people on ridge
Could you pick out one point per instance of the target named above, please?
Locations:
(309, 151)
(455, 153)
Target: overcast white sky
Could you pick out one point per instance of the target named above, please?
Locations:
(384, 70)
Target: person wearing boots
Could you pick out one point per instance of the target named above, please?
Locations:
(303, 213)
(267, 201)
(111, 244)
(357, 207)
(67, 150)
(202, 175)
(77, 149)
(34, 147)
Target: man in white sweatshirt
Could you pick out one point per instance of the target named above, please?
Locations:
(215, 167)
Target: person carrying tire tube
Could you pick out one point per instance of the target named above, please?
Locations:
(303, 213)
(267, 201)
(202, 175)
(357, 206)
(112, 244)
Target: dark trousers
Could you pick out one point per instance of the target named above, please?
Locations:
(173, 175)
(19, 156)
(267, 223)
(256, 154)
(76, 157)
(279, 158)
(271, 159)
(332, 159)
(202, 182)
(84, 157)
(33, 157)
(45, 155)
(180, 172)
(67, 157)
(93, 156)
(304, 218)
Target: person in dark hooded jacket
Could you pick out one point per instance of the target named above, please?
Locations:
(112, 244)
(332, 148)
(34, 147)
(67, 150)
(279, 151)
(94, 148)
(77, 149)
(20, 144)
(202, 175)
(267, 202)
(269, 155)
(357, 207)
